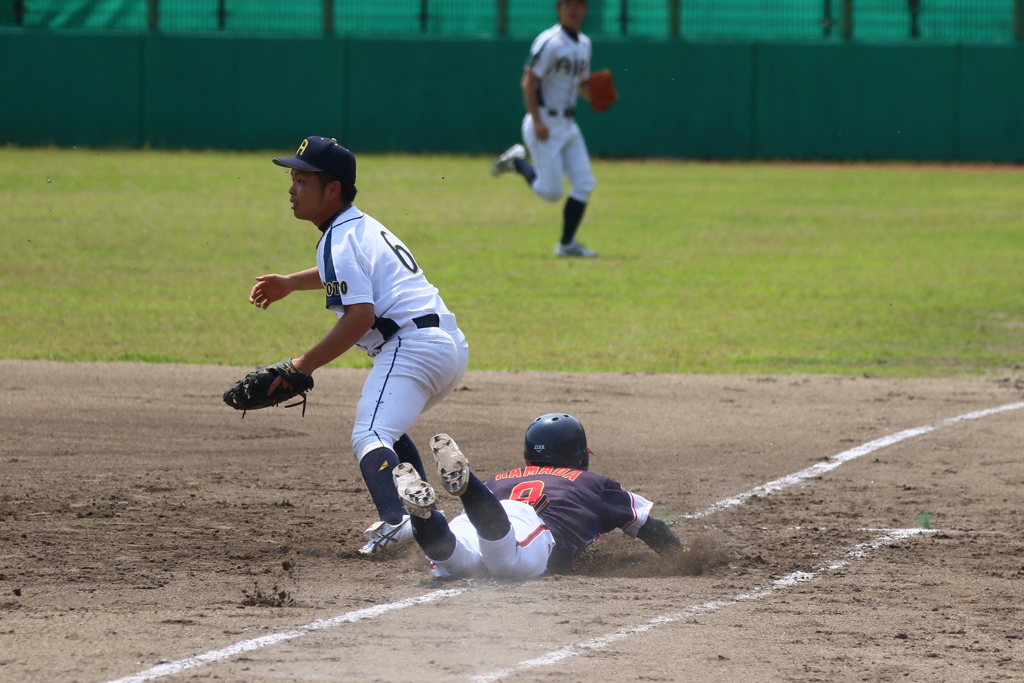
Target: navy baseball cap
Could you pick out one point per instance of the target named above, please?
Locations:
(322, 154)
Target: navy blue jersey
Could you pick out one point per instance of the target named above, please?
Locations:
(580, 506)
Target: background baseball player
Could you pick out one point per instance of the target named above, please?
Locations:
(386, 307)
(528, 521)
(558, 69)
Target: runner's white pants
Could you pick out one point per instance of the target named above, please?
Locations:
(522, 554)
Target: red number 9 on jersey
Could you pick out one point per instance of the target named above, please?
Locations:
(531, 493)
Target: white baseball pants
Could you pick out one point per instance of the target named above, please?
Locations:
(414, 371)
(563, 153)
(522, 554)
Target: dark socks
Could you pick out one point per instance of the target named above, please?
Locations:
(484, 511)
(376, 467)
(572, 214)
(433, 536)
(525, 169)
(406, 451)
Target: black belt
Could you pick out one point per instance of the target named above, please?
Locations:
(568, 113)
(388, 327)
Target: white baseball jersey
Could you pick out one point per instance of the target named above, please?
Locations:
(561, 62)
(360, 261)
(414, 367)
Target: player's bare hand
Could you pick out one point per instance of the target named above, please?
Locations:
(268, 289)
(278, 382)
(542, 131)
(584, 90)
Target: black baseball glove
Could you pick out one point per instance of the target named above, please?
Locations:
(252, 391)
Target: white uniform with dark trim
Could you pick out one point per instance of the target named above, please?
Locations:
(361, 261)
(561, 62)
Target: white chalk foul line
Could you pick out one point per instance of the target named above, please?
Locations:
(788, 581)
(846, 456)
(169, 668)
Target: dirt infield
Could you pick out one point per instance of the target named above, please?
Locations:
(144, 523)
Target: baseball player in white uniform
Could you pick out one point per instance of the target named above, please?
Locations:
(387, 308)
(557, 71)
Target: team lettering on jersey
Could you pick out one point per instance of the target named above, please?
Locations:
(336, 288)
(571, 67)
(534, 470)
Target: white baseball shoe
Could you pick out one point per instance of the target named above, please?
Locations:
(507, 161)
(385, 537)
(416, 494)
(574, 248)
(452, 465)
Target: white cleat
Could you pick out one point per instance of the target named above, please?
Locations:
(574, 249)
(385, 537)
(416, 494)
(507, 161)
(452, 465)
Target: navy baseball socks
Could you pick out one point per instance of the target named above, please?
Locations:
(525, 169)
(433, 536)
(406, 451)
(429, 527)
(572, 215)
(393, 529)
(376, 467)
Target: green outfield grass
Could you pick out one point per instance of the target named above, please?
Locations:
(704, 267)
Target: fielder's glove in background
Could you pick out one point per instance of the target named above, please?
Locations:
(602, 90)
(250, 392)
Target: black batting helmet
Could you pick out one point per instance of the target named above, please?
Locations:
(557, 439)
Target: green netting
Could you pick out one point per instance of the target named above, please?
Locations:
(293, 16)
(966, 20)
(756, 18)
(106, 14)
(941, 20)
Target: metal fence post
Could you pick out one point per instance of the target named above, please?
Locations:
(152, 14)
(673, 18)
(501, 18)
(847, 19)
(915, 17)
(826, 18)
(222, 15)
(328, 17)
(424, 15)
(623, 16)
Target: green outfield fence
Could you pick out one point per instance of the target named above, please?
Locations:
(923, 80)
(916, 20)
